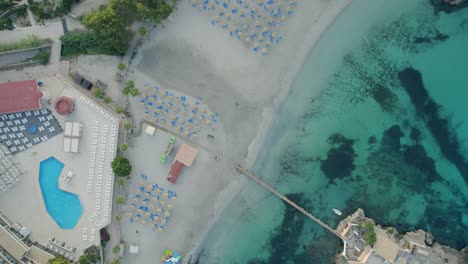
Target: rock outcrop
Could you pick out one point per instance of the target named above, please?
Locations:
(448, 6)
(415, 247)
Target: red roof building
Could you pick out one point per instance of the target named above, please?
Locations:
(20, 96)
(176, 169)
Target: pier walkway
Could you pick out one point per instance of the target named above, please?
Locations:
(284, 198)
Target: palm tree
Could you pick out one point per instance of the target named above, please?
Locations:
(128, 126)
(123, 147)
(121, 181)
(119, 109)
(120, 200)
(107, 99)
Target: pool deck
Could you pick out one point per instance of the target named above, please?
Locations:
(24, 203)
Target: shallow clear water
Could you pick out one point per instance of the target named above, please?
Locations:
(64, 207)
(376, 120)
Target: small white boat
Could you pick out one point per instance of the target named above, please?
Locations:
(336, 211)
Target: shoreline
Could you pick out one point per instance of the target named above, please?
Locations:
(269, 115)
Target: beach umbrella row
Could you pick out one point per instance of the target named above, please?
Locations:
(151, 205)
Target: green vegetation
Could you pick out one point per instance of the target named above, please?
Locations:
(121, 181)
(369, 234)
(115, 261)
(121, 66)
(130, 89)
(128, 126)
(58, 260)
(99, 93)
(116, 249)
(4, 4)
(42, 56)
(83, 42)
(91, 256)
(107, 99)
(120, 200)
(118, 217)
(359, 226)
(123, 147)
(109, 26)
(119, 110)
(48, 9)
(121, 166)
(6, 22)
(29, 42)
(143, 31)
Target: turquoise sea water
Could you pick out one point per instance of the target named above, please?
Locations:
(65, 208)
(376, 120)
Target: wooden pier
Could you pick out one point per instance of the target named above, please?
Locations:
(284, 198)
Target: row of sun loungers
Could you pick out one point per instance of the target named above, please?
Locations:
(100, 179)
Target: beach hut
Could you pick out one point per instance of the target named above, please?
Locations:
(184, 157)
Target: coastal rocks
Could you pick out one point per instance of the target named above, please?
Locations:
(412, 245)
(429, 239)
(448, 6)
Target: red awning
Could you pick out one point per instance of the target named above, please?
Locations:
(176, 169)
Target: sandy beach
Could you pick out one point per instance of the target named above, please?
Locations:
(189, 55)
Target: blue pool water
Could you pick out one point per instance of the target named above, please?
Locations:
(65, 208)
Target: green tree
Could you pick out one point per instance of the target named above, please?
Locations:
(126, 90)
(123, 147)
(107, 99)
(369, 234)
(99, 93)
(121, 166)
(116, 249)
(121, 66)
(120, 200)
(134, 92)
(128, 126)
(118, 217)
(109, 28)
(143, 31)
(121, 181)
(58, 260)
(115, 261)
(84, 260)
(91, 254)
(124, 8)
(119, 110)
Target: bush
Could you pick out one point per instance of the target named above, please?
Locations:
(121, 66)
(83, 42)
(99, 93)
(107, 99)
(121, 166)
(116, 249)
(29, 42)
(143, 31)
(6, 23)
(42, 56)
(58, 260)
(369, 235)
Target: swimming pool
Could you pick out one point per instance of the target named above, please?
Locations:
(64, 207)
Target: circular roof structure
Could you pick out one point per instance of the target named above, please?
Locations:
(64, 105)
